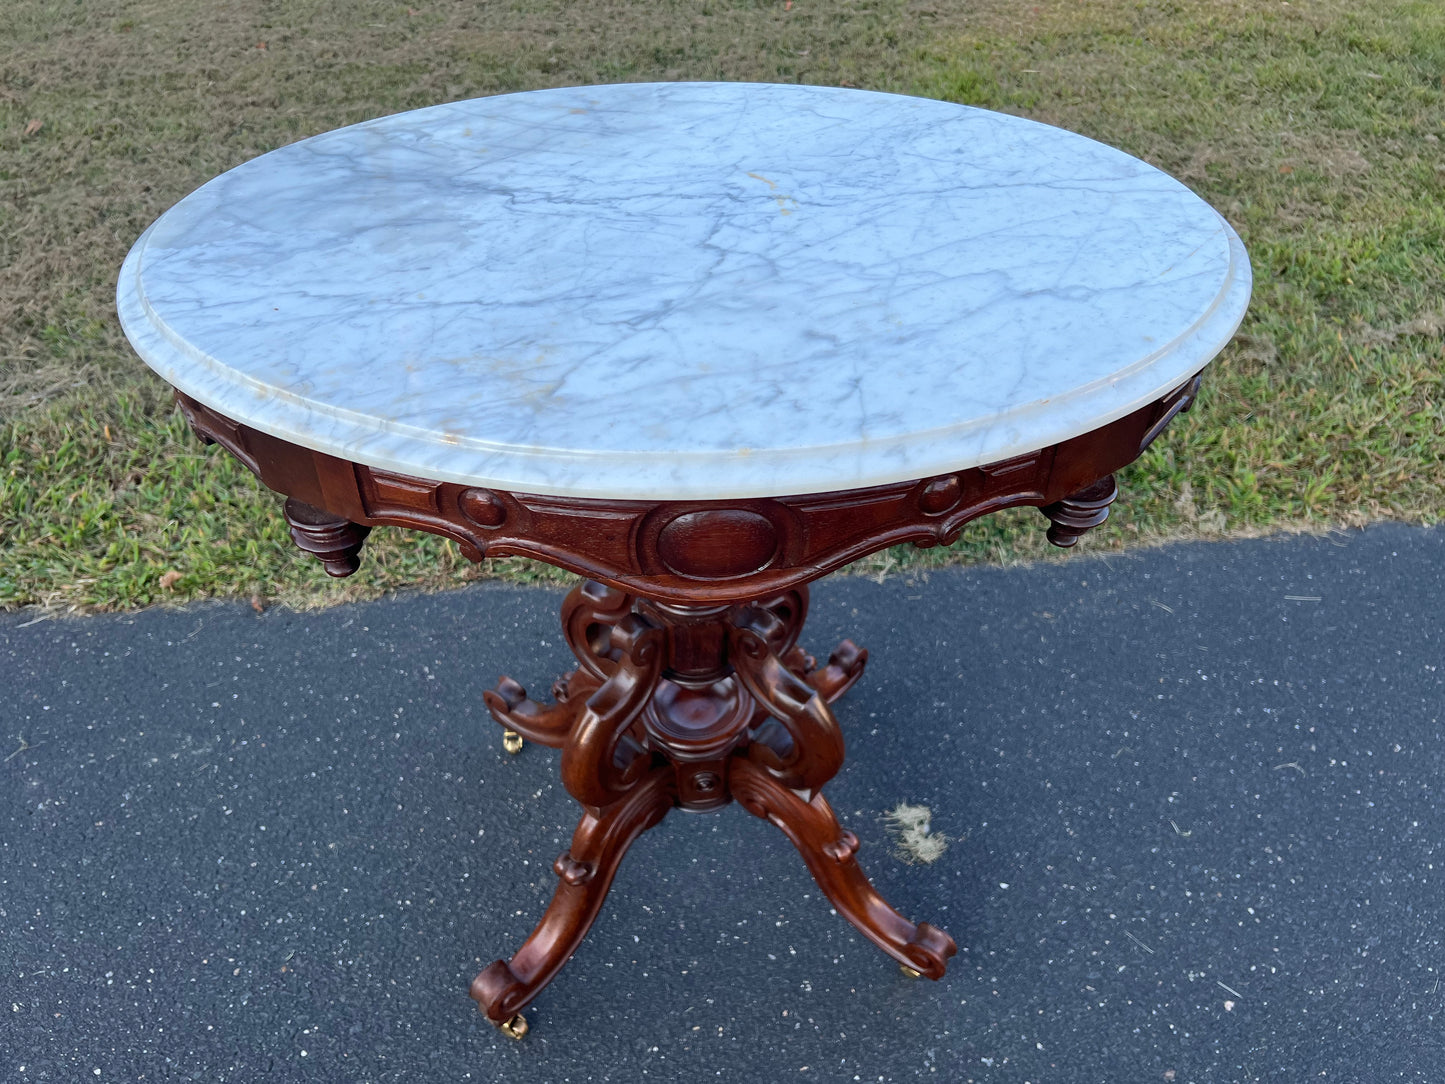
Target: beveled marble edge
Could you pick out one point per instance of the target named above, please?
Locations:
(398, 448)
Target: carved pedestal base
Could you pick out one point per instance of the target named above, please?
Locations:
(691, 706)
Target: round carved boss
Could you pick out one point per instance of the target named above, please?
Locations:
(482, 507)
(717, 543)
(941, 495)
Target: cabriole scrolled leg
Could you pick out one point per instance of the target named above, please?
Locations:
(829, 850)
(843, 669)
(545, 724)
(584, 871)
(588, 614)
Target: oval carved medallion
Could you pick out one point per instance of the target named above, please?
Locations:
(717, 543)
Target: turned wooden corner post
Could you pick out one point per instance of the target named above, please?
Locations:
(334, 541)
(1080, 512)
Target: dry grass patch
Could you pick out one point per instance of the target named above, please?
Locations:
(914, 839)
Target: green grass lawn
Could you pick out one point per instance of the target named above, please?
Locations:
(1317, 127)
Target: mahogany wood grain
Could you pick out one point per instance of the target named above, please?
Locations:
(690, 688)
(694, 551)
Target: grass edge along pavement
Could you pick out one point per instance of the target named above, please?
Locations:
(1315, 127)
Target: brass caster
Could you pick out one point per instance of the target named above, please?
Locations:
(512, 743)
(516, 1027)
(910, 972)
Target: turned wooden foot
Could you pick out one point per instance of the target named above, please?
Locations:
(334, 541)
(1080, 512)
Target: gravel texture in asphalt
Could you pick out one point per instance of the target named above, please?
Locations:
(1190, 799)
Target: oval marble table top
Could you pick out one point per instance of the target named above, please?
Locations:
(684, 290)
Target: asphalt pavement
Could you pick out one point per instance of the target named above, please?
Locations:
(1191, 801)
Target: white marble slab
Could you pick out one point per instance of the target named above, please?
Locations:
(684, 290)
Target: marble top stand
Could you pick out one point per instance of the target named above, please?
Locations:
(701, 344)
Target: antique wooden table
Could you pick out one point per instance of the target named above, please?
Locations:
(700, 343)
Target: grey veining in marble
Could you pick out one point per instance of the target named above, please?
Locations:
(684, 290)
